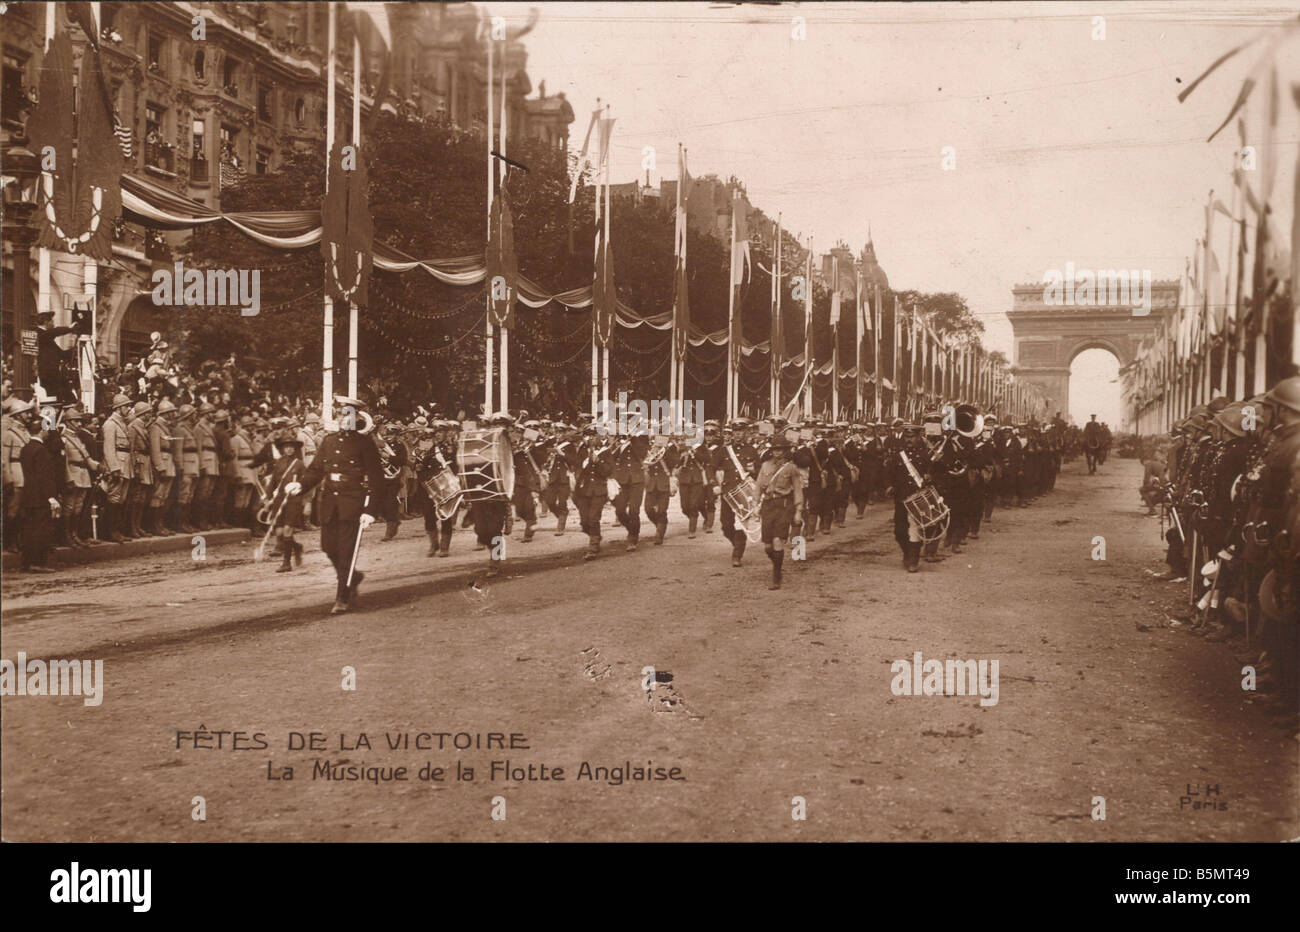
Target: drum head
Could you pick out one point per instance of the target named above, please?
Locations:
(505, 460)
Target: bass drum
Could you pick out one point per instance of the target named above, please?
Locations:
(486, 464)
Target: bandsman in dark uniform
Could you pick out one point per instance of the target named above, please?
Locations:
(660, 485)
(629, 473)
(348, 469)
(592, 466)
(734, 462)
(780, 493)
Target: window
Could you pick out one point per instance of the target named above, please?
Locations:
(157, 151)
(229, 141)
(200, 65)
(263, 161)
(230, 77)
(155, 53)
(199, 152)
(264, 99)
(153, 120)
(300, 110)
(15, 93)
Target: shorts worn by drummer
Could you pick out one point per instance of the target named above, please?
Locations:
(349, 471)
(780, 496)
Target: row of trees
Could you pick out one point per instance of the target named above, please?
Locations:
(421, 341)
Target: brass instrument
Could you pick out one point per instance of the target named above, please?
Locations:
(657, 453)
(386, 456)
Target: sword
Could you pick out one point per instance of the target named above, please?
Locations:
(356, 546)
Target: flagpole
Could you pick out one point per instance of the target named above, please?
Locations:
(808, 332)
(503, 170)
(835, 339)
(677, 284)
(327, 352)
(488, 387)
(732, 350)
(43, 253)
(857, 354)
(778, 331)
(612, 298)
(356, 144)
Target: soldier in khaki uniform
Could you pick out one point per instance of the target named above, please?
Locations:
(229, 468)
(187, 473)
(163, 464)
(117, 462)
(80, 469)
(15, 438)
(244, 479)
(141, 468)
(209, 470)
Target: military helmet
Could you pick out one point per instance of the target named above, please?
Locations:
(1285, 393)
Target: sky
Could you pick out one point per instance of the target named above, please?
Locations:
(1068, 147)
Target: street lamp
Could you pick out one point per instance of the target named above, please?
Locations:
(20, 169)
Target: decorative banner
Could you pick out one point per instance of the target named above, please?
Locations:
(347, 231)
(681, 289)
(604, 297)
(80, 199)
(502, 264)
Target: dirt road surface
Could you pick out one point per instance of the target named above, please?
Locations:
(759, 697)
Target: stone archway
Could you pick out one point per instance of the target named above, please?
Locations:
(1049, 336)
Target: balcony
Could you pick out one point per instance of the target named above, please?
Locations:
(160, 158)
(199, 171)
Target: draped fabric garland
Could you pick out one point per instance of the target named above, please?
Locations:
(154, 206)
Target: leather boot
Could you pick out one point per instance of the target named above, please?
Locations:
(660, 531)
(444, 542)
(433, 544)
(391, 531)
(284, 566)
(112, 521)
(593, 548)
(690, 529)
(528, 531)
(913, 561)
(777, 557)
(560, 522)
(738, 542)
(137, 527)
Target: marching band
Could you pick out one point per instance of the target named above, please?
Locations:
(772, 481)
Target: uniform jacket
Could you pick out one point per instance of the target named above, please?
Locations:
(188, 442)
(160, 450)
(80, 465)
(117, 445)
(141, 464)
(348, 470)
(15, 438)
(209, 462)
(243, 458)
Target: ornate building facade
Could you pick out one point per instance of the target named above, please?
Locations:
(201, 114)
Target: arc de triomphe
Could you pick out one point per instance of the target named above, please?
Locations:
(1049, 335)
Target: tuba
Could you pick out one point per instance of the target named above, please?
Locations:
(969, 422)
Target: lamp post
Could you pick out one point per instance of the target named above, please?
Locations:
(22, 166)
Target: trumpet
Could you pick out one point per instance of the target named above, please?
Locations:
(386, 456)
(657, 453)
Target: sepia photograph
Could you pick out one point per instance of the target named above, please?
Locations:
(671, 422)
